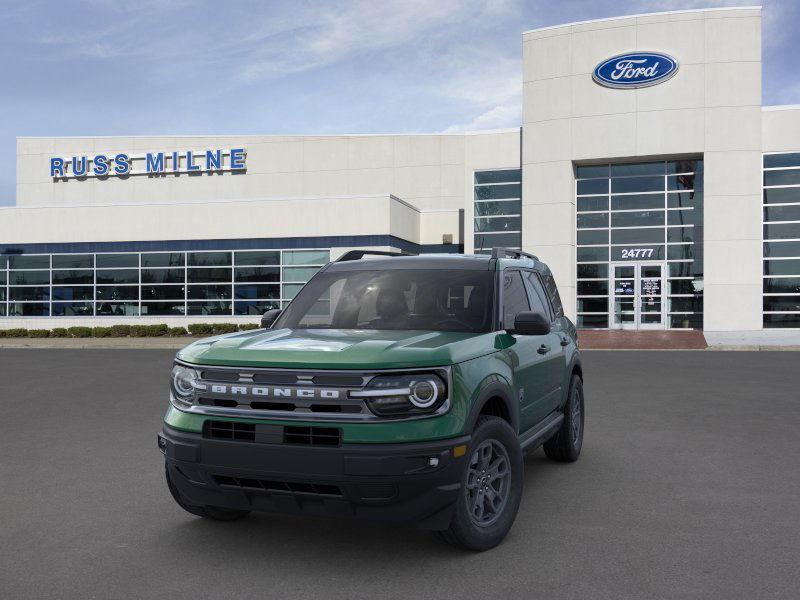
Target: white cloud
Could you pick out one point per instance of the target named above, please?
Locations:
(337, 33)
(497, 117)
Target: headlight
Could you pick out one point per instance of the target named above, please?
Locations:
(404, 394)
(184, 380)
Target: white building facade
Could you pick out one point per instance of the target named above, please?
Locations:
(657, 187)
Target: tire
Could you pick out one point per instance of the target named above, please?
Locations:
(215, 513)
(478, 532)
(566, 444)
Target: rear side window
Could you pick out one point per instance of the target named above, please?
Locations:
(552, 292)
(515, 298)
(537, 295)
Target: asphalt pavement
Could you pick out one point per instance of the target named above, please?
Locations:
(688, 487)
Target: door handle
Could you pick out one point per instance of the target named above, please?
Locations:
(564, 341)
(543, 349)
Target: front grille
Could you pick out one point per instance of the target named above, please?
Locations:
(315, 395)
(352, 408)
(290, 487)
(230, 430)
(312, 436)
(273, 434)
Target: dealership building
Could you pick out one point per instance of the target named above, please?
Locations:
(645, 172)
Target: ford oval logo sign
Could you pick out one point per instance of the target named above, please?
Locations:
(635, 70)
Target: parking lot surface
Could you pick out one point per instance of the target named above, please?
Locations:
(688, 487)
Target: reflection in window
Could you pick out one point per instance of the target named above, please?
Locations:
(781, 248)
(497, 208)
(630, 205)
(133, 284)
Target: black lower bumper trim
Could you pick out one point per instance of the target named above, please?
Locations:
(411, 483)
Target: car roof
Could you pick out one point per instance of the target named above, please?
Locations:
(461, 262)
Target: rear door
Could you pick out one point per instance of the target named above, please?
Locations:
(529, 366)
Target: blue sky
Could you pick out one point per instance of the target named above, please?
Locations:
(151, 67)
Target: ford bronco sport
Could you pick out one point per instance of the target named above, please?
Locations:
(394, 387)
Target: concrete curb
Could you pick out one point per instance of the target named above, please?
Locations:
(754, 347)
(176, 343)
(105, 343)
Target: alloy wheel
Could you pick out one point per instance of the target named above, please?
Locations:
(488, 482)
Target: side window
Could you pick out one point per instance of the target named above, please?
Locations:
(552, 291)
(515, 299)
(537, 295)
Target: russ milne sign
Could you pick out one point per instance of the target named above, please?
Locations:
(151, 163)
(635, 70)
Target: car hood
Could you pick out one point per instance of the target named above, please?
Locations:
(339, 348)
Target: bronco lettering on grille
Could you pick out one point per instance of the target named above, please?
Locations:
(274, 392)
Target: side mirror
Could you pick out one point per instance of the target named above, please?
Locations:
(531, 323)
(269, 317)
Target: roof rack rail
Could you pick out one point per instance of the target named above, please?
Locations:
(509, 253)
(359, 254)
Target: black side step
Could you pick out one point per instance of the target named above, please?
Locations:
(540, 433)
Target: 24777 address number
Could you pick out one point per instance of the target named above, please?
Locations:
(637, 252)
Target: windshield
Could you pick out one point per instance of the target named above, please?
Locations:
(435, 300)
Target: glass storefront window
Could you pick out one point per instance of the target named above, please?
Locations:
(254, 307)
(592, 187)
(258, 258)
(73, 261)
(638, 218)
(84, 292)
(117, 261)
(498, 224)
(637, 202)
(208, 308)
(593, 236)
(163, 259)
(108, 284)
(255, 292)
(28, 309)
(635, 213)
(162, 309)
(73, 309)
(209, 259)
(497, 208)
(28, 293)
(500, 176)
(593, 220)
(591, 171)
(163, 275)
(208, 275)
(29, 277)
(117, 292)
(117, 276)
(163, 292)
(629, 185)
(781, 247)
(40, 261)
(117, 309)
(787, 195)
(593, 271)
(498, 192)
(73, 277)
(298, 274)
(208, 292)
(782, 213)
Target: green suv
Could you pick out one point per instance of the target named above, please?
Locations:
(393, 387)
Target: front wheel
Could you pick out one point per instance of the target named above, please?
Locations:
(566, 444)
(491, 488)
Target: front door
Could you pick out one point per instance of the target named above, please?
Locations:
(637, 290)
(529, 356)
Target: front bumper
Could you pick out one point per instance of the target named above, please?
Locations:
(408, 483)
